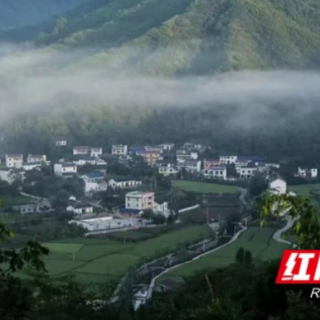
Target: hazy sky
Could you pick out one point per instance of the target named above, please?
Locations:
(21, 89)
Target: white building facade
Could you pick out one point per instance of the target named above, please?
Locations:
(138, 200)
(14, 160)
(119, 149)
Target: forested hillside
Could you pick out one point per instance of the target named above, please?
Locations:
(187, 36)
(17, 13)
(165, 39)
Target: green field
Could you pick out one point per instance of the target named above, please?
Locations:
(258, 241)
(102, 259)
(305, 189)
(204, 187)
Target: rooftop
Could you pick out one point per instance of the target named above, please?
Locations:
(249, 159)
(94, 175)
(82, 205)
(123, 179)
(81, 147)
(130, 211)
(68, 164)
(85, 157)
(138, 193)
(32, 163)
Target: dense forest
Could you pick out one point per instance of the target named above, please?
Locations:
(18, 13)
(187, 36)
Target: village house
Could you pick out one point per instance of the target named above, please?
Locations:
(122, 183)
(31, 208)
(81, 150)
(228, 159)
(119, 149)
(215, 172)
(192, 166)
(182, 155)
(247, 171)
(96, 152)
(93, 176)
(156, 149)
(80, 208)
(150, 157)
(14, 160)
(244, 161)
(136, 149)
(138, 200)
(161, 209)
(168, 170)
(31, 158)
(94, 186)
(82, 160)
(278, 186)
(94, 182)
(12, 175)
(31, 166)
(167, 146)
(61, 169)
(61, 142)
(307, 173)
(209, 163)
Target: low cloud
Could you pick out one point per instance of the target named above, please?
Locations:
(27, 81)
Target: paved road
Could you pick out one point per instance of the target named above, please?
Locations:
(277, 235)
(153, 281)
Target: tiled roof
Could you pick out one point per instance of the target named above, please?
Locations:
(130, 211)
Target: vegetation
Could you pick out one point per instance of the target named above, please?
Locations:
(258, 241)
(203, 187)
(17, 13)
(95, 260)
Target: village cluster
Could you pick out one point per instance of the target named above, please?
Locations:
(190, 159)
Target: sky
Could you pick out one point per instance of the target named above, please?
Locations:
(27, 81)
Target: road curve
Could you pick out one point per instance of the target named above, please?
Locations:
(153, 281)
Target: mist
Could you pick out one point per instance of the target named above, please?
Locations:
(28, 80)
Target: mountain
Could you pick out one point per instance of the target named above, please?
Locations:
(18, 13)
(188, 36)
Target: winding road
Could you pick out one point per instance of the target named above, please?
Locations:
(276, 236)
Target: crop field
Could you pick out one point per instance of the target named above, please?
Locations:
(96, 260)
(304, 190)
(258, 241)
(204, 187)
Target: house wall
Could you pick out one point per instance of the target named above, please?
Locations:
(228, 159)
(14, 162)
(218, 173)
(81, 151)
(119, 150)
(279, 185)
(141, 202)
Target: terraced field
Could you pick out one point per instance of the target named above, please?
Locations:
(96, 260)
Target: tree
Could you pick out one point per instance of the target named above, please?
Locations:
(257, 185)
(16, 297)
(240, 256)
(158, 219)
(306, 229)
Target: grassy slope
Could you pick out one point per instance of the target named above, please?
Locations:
(258, 241)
